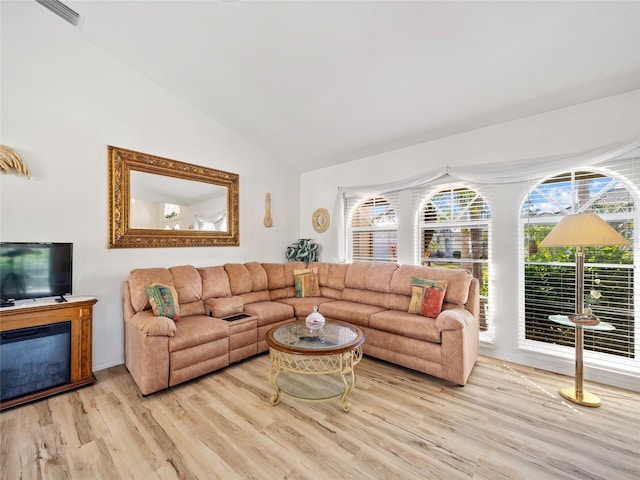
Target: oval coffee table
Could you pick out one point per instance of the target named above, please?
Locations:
(314, 365)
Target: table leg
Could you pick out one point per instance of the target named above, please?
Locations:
(576, 394)
(273, 378)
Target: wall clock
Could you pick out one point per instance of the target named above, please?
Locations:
(320, 220)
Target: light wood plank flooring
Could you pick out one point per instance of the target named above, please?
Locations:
(509, 422)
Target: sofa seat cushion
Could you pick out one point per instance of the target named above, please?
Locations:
(351, 312)
(197, 330)
(269, 312)
(411, 347)
(406, 324)
(304, 306)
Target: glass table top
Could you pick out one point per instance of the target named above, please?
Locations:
(297, 337)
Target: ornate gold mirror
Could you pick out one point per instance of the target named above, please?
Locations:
(158, 202)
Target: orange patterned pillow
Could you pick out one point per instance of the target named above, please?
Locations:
(427, 297)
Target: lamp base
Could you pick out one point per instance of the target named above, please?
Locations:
(584, 398)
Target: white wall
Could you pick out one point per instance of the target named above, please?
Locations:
(575, 129)
(63, 102)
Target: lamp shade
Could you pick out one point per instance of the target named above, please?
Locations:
(582, 229)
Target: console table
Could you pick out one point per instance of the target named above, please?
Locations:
(79, 312)
(577, 394)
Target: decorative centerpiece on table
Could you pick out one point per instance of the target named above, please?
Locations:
(315, 320)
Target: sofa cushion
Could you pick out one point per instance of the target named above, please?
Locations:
(239, 278)
(323, 272)
(406, 324)
(276, 278)
(304, 306)
(427, 297)
(188, 284)
(259, 280)
(269, 312)
(138, 280)
(378, 277)
(351, 312)
(163, 300)
(288, 268)
(223, 307)
(356, 276)
(336, 276)
(366, 296)
(215, 282)
(197, 330)
(254, 297)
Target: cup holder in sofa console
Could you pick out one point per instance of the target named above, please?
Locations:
(238, 316)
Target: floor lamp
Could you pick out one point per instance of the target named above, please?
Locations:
(580, 230)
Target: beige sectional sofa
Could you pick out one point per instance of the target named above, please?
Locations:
(161, 353)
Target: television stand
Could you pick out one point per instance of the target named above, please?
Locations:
(61, 299)
(78, 311)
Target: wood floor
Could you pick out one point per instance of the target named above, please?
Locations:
(509, 422)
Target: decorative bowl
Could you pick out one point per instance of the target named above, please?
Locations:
(584, 319)
(315, 320)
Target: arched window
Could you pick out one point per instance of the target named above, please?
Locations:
(549, 274)
(373, 231)
(453, 226)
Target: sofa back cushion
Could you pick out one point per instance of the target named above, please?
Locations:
(322, 270)
(188, 284)
(370, 283)
(239, 278)
(138, 280)
(356, 275)
(458, 283)
(215, 282)
(276, 280)
(378, 277)
(259, 279)
(248, 281)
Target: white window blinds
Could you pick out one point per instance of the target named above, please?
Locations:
(372, 232)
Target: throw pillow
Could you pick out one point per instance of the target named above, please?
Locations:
(306, 282)
(427, 297)
(163, 300)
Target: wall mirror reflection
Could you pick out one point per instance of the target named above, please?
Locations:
(158, 202)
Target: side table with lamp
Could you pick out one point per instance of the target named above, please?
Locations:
(580, 230)
(581, 323)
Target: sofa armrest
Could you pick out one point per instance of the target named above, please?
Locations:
(453, 319)
(151, 325)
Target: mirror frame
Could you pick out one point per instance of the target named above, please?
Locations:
(122, 161)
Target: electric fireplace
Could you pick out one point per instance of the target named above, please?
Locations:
(34, 359)
(45, 349)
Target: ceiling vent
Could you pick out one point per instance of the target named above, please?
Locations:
(62, 11)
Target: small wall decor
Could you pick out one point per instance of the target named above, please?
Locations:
(10, 160)
(304, 250)
(320, 220)
(268, 221)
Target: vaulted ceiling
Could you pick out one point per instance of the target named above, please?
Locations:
(319, 83)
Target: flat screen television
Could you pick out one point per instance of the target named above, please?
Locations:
(35, 270)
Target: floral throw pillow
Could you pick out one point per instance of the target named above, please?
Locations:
(427, 297)
(163, 300)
